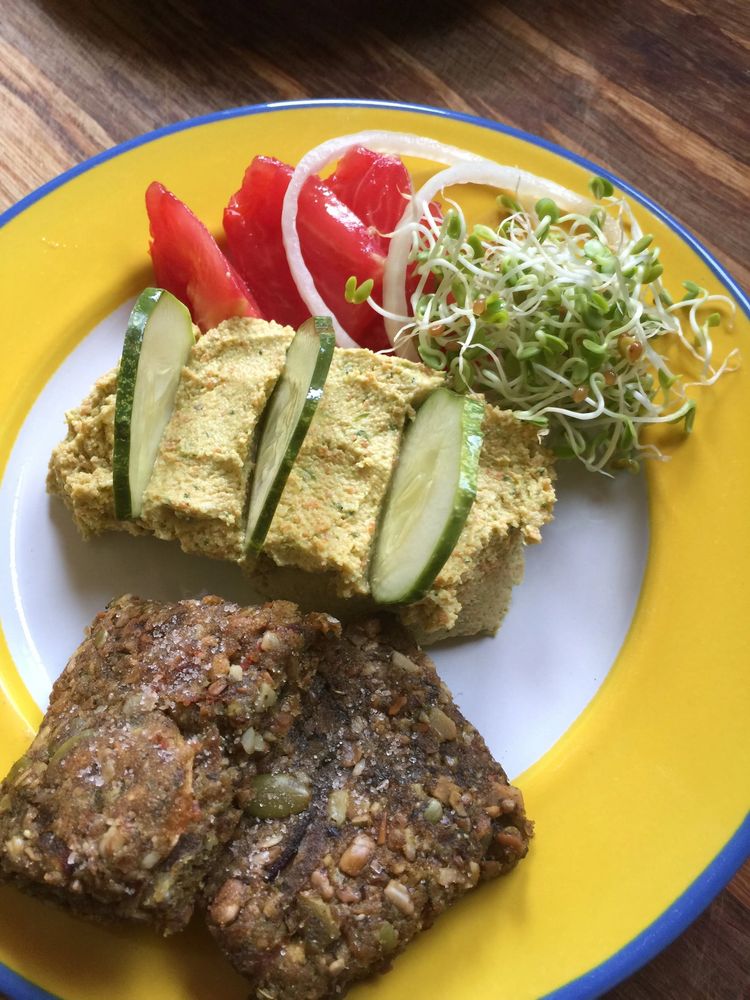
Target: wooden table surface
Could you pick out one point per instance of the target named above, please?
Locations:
(656, 90)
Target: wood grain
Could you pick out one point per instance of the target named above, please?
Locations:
(656, 90)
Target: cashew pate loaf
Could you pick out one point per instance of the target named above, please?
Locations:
(320, 540)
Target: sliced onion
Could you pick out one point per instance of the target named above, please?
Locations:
(467, 168)
(529, 188)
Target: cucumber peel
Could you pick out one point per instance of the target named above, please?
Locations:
(158, 339)
(431, 494)
(285, 422)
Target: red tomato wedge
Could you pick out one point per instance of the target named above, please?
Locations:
(189, 263)
(335, 244)
(375, 186)
(252, 223)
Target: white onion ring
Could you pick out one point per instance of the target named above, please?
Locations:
(480, 171)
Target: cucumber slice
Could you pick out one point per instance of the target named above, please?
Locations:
(157, 342)
(431, 494)
(286, 420)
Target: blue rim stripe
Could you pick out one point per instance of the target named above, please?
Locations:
(15, 987)
(677, 917)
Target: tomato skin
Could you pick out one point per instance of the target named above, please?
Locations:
(335, 245)
(189, 263)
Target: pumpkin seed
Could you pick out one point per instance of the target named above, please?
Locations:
(279, 795)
